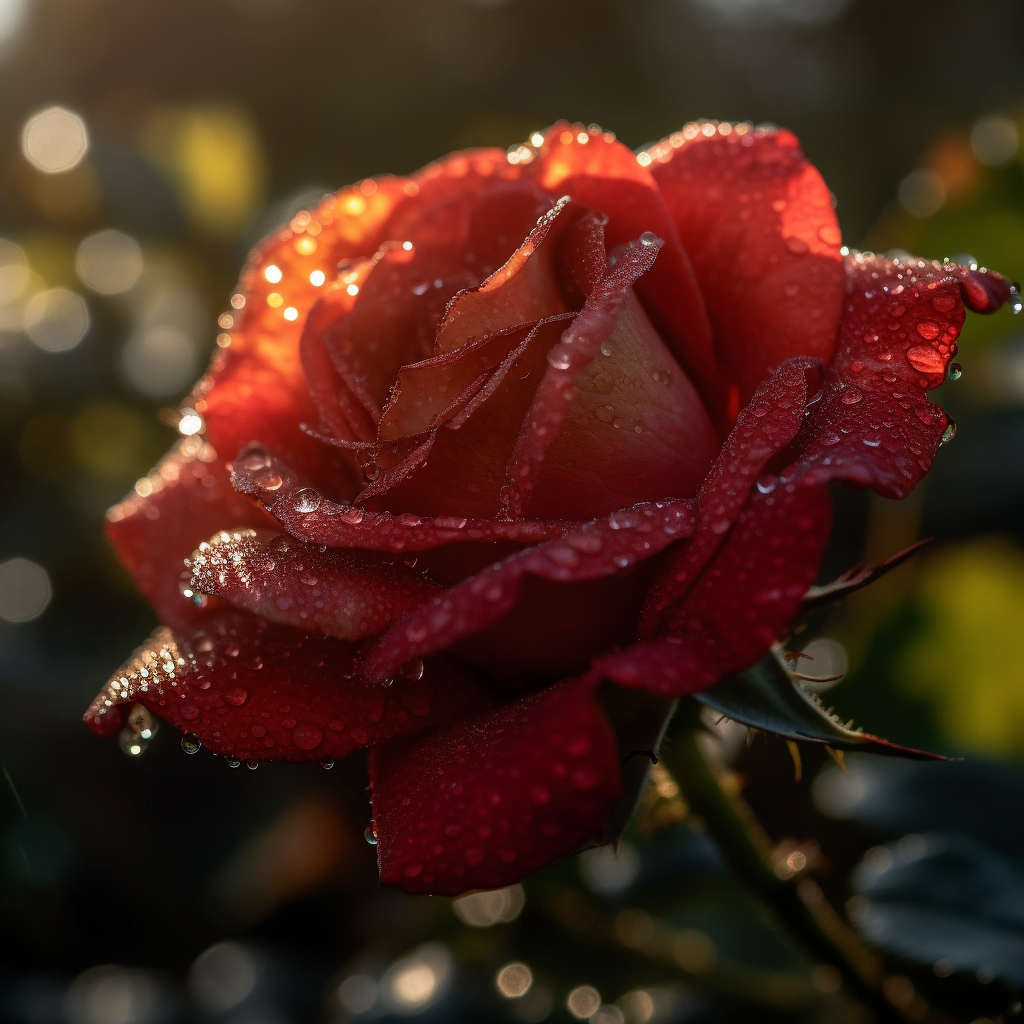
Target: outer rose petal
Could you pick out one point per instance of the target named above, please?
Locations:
(873, 424)
(483, 801)
(187, 497)
(254, 691)
(726, 602)
(757, 221)
(306, 514)
(345, 594)
(595, 551)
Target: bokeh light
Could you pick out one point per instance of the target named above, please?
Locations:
(484, 909)
(514, 980)
(109, 262)
(25, 590)
(583, 1001)
(416, 981)
(159, 360)
(14, 271)
(110, 994)
(995, 140)
(357, 993)
(922, 193)
(12, 16)
(56, 319)
(54, 140)
(610, 869)
(222, 976)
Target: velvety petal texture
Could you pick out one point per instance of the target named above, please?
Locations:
(489, 449)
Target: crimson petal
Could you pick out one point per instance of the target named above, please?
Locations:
(251, 690)
(305, 514)
(757, 220)
(185, 499)
(595, 551)
(344, 594)
(874, 425)
(481, 802)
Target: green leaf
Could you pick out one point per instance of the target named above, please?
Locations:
(944, 897)
(767, 697)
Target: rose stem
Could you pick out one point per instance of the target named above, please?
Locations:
(799, 904)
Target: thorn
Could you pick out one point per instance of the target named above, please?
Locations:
(798, 765)
(837, 756)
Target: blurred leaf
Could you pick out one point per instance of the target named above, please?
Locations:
(767, 697)
(945, 898)
(967, 657)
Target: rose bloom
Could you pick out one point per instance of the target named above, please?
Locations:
(496, 461)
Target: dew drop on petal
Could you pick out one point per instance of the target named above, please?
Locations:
(955, 371)
(370, 834)
(190, 743)
(949, 433)
(307, 736)
(306, 500)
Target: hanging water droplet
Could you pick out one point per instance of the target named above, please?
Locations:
(232, 763)
(950, 432)
(139, 729)
(1015, 302)
(370, 833)
(252, 765)
(191, 743)
(327, 762)
(955, 371)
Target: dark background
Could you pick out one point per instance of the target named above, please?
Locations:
(166, 887)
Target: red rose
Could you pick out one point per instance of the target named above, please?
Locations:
(483, 439)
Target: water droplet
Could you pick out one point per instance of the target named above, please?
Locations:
(926, 358)
(232, 763)
(950, 432)
(307, 736)
(306, 500)
(560, 358)
(190, 423)
(189, 712)
(351, 515)
(139, 729)
(929, 329)
(797, 246)
(191, 743)
(252, 765)
(412, 669)
(370, 833)
(649, 238)
(605, 413)
(1015, 302)
(955, 371)
(850, 396)
(236, 696)
(326, 762)
(603, 383)
(371, 472)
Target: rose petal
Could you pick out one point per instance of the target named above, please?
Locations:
(873, 425)
(757, 221)
(187, 497)
(614, 420)
(597, 550)
(764, 428)
(254, 691)
(344, 594)
(597, 171)
(256, 388)
(481, 802)
(305, 514)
